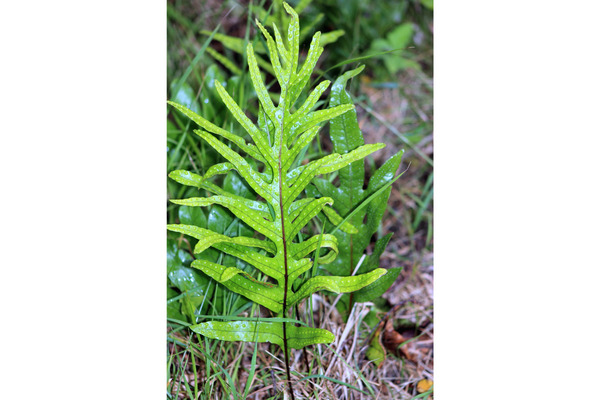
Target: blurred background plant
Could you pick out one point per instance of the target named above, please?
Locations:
(394, 97)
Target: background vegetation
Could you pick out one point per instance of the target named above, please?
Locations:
(394, 105)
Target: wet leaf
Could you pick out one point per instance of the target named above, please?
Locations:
(336, 284)
(266, 269)
(377, 288)
(192, 285)
(271, 332)
(349, 195)
(174, 306)
(185, 96)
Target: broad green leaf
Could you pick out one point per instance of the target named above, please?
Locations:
(401, 36)
(253, 218)
(193, 216)
(271, 332)
(347, 158)
(377, 288)
(186, 178)
(192, 285)
(236, 186)
(349, 197)
(174, 306)
(376, 209)
(185, 96)
(385, 173)
(336, 284)
(213, 74)
(319, 186)
(218, 220)
(372, 260)
(346, 136)
(259, 292)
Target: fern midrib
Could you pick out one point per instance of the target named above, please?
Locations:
(284, 238)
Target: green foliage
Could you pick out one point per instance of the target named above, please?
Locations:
(193, 296)
(349, 197)
(397, 40)
(272, 261)
(192, 286)
(427, 3)
(376, 352)
(274, 16)
(368, 25)
(251, 331)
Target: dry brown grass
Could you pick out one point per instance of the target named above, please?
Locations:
(344, 360)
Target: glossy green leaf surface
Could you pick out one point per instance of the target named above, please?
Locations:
(349, 195)
(272, 332)
(377, 288)
(372, 260)
(275, 205)
(336, 284)
(174, 306)
(192, 285)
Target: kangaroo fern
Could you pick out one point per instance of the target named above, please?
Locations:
(349, 196)
(280, 211)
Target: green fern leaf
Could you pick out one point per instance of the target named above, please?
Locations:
(348, 140)
(280, 212)
(249, 331)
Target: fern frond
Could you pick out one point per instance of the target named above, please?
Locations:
(282, 212)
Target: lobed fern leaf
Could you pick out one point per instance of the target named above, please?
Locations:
(349, 195)
(280, 212)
